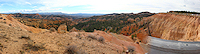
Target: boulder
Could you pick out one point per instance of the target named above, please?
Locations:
(52, 29)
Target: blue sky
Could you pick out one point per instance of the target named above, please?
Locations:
(97, 6)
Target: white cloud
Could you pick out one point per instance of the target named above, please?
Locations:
(33, 10)
(28, 3)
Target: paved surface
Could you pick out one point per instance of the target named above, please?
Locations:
(160, 46)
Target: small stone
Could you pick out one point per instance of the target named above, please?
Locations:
(25, 37)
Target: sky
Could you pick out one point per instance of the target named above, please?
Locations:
(97, 6)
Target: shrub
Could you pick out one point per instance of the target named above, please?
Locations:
(132, 36)
(10, 24)
(101, 39)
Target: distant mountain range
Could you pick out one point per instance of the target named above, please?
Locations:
(78, 15)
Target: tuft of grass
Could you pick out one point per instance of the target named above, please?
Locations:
(22, 52)
(101, 39)
(71, 50)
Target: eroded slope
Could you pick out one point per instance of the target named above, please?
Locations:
(16, 38)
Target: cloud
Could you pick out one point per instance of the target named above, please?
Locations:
(130, 5)
(34, 6)
(1, 5)
(33, 10)
(28, 3)
(117, 5)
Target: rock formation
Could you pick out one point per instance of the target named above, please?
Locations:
(175, 27)
(62, 28)
(73, 30)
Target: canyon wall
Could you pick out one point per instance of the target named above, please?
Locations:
(175, 27)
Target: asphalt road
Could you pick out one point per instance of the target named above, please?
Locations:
(160, 46)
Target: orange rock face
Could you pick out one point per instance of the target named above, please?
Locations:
(166, 26)
(175, 27)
